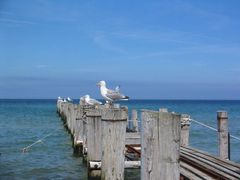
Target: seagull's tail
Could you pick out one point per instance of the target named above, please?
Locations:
(125, 98)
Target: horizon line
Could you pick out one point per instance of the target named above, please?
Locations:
(177, 99)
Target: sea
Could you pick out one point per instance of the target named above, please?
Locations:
(24, 122)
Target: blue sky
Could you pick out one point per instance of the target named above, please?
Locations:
(179, 49)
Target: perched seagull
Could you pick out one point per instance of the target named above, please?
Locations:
(111, 95)
(82, 100)
(69, 99)
(90, 101)
(60, 99)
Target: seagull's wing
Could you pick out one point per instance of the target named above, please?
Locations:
(114, 95)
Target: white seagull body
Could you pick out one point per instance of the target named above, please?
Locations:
(90, 101)
(60, 99)
(82, 100)
(111, 95)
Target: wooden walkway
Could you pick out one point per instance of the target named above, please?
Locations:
(196, 164)
(99, 134)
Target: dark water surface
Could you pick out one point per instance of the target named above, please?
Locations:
(23, 122)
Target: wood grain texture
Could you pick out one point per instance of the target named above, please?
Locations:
(134, 118)
(222, 119)
(160, 145)
(114, 122)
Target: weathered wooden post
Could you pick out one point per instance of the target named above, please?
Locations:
(78, 137)
(75, 112)
(84, 132)
(68, 115)
(114, 122)
(222, 118)
(160, 144)
(94, 140)
(72, 118)
(135, 120)
(185, 126)
(71, 114)
(62, 110)
(163, 110)
(58, 106)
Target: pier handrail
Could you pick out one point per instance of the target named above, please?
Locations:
(212, 128)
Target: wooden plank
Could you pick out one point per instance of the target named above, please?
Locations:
(133, 138)
(214, 164)
(132, 149)
(208, 166)
(96, 165)
(228, 164)
(218, 164)
(192, 173)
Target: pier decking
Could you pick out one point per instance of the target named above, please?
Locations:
(161, 149)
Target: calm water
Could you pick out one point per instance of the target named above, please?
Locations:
(23, 122)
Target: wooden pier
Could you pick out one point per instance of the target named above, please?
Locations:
(161, 149)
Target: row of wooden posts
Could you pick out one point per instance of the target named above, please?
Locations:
(100, 134)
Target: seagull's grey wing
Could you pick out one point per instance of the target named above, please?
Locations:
(114, 95)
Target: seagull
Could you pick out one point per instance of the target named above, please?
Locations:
(90, 101)
(111, 95)
(69, 99)
(59, 99)
(82, 100)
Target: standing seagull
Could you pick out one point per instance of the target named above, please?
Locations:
(90, 101)
(110, 95)
(82, 100)
(60, 99)
(69, 99)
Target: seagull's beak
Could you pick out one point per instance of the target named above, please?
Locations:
(98, 84)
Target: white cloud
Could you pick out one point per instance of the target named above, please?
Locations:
(16, 21)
